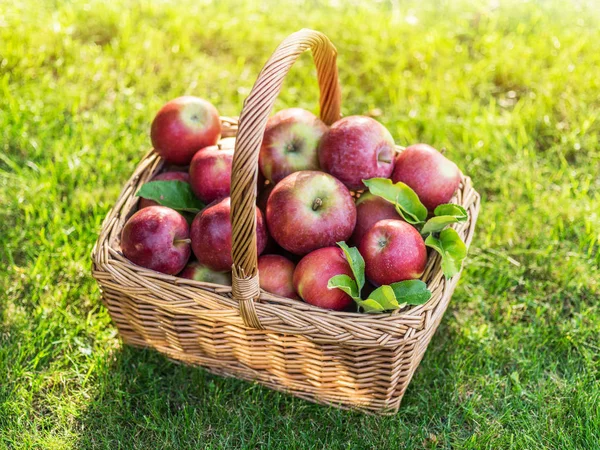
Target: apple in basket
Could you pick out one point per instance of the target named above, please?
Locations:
(182, 127)
(393, 251)
(430, 174)
(210, 173)
(197, 272)
(370, 209)
(211, 235)
(157, 238)
(165, 176)
(309, 210)
(290, 144)
(357, 148)
(313, 273)
(276, 275)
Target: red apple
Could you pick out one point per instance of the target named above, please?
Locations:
(309, 210)
(157, 238)
(197, 272)
(165, 176)
(290, 144)
(210, 173)
(357, 148)
(393, 251)
(182, 127)
(276, 275)
(211, 236)
(313, 273)
(430, 174)
(263, 197)
(370, 209)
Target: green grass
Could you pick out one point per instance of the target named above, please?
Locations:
(512, 92)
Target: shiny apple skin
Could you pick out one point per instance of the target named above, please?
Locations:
(314, 271)
(211, 235)
(182, 127)
(309, 210)
(430, 174)
(393, 251)
(155, 238)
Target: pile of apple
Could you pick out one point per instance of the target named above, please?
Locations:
(340, 214)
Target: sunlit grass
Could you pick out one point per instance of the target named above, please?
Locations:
(512, 92)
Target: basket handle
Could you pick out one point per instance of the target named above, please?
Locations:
(255, 112)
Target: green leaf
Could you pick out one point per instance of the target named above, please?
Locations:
(357, 264)
(406, 200)
(174, 194)
(370, 305)
(451, 247)
(446, 214)
(451, 209)
(411, 292)
(384, 296)
(345, 283)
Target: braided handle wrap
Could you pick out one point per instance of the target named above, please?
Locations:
(256, 110)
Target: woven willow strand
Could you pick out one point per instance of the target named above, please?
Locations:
(253, 119)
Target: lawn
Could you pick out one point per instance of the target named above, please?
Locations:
(511, 91)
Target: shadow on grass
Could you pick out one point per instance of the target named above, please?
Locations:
(144, 400)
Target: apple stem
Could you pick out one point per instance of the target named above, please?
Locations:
(387, 161)
(182, 241)
(317, 204)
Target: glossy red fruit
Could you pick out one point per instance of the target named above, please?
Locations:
(210, 173)
(309, 210)
(276, 275)
(430, 174)
(182, 127)
(211, 236)
(370, 209)
(290, 143)
(357, 148)
(393, 251)
(157, 238)
(313, 273)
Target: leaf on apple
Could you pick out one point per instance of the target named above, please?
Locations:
(370, 305)
(451, 247)
(403, 197)
(445, 215)
(411, 292)
(173, 194)
(384, 298)
(346, 284)
(357, 264)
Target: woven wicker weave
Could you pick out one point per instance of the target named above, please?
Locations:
(349, 360)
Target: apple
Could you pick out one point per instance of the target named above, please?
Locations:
(276, 275)
(308, 210)
(430, 174)
(393, 251)
(211, 235)
(210, 173)
(182, 127)
(313, 273)
(370, 209)
(157, 238)
(290, 144)
(197, 272)
(165, 176)
(357, 148)
(263, 197)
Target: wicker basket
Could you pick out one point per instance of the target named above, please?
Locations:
(349, 360)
